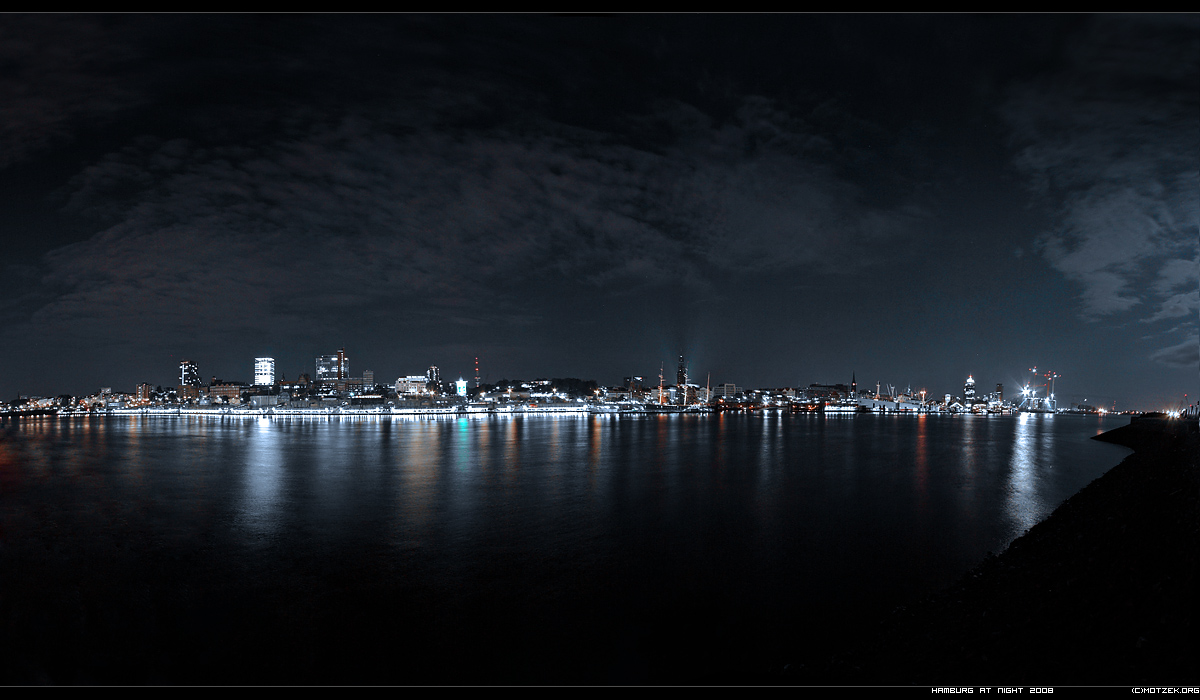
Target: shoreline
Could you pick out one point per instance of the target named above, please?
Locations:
(1101, 592)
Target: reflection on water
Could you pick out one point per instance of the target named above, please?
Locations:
(262, 481)
(1033, 444)
(750, 515)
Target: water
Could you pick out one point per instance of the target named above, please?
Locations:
(496, 550)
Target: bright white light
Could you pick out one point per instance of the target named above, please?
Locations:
(264, 371)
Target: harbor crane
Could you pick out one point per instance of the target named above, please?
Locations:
(1030, 401)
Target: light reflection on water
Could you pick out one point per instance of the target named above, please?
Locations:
(263, 478)
(755, 515)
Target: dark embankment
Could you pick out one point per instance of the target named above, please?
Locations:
(1103, 592)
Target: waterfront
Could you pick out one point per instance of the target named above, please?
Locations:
(526, 549)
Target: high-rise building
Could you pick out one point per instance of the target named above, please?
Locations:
(368, 379)
(189, 374)
(343, 364)
(142, 393)
(681, 375)
(461, 386)
(264, 371)
(189, 380)
(1000, 392)
(969, 390)
(327, 368)
(433, 376)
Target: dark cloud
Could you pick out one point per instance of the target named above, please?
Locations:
(1114, 138)
(1185, 355)
(57, 78)
(353, 215)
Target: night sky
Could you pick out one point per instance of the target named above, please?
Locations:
(785, 199)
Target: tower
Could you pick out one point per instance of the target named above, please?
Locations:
(476, 372)
(681, 375)
(343, 364)
(189, 374)
(969, 390)
(189, 380)
(264, 371)
(327, 368)
(853, 386)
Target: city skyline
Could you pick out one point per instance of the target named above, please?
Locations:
(785, 199)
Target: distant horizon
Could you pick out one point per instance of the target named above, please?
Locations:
(1011, 388)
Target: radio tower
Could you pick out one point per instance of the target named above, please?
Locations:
(476, 372)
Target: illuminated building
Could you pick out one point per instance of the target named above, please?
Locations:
(1000, 393)
(681, 380)
(726, 390)
(189, 380)
(142, 393)
(264, 371)
(368, 378)
(969, 390)
(433, 376)
(412, 384)
(227, 390)
(326, 368)
(461, 386)
(333, 367)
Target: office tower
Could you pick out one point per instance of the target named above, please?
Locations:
(368, 379)
(189, 374)
(327, 368)
(969, 390)
(189, 380)
(461, 386)
(343, 364)
(999, 392)
(681, 375)
(264, 371)
(434, 377)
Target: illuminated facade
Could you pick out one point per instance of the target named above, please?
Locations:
(969, 390)
(326, 368)
(189, 374)
(412, 384)
(231, 391)
(189, 380)
(264, 371)
(333, 367)
(368, 379)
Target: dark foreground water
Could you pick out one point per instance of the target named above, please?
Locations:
(496, 550)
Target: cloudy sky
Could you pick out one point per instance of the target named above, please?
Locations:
(785, 199)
